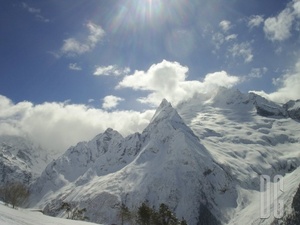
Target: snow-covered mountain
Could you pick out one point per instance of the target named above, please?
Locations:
(165, 164)
(246, 133)
(21, 160)
(207, 158)
(250, 136)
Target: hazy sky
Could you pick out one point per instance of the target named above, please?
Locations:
(85, 65)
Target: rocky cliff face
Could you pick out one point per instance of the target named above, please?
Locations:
(20, 160)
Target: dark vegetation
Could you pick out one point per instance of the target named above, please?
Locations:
(14, 194)
(74, 213)
(294, 217)
(147, 215)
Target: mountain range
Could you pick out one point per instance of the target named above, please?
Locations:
(203, 158)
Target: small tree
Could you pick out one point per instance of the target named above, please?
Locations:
(78, 214)
(183, 222)
(14, 193)
(124, 214)
(74, 213)
(162, 216)
(144, 214)
(166, 217)
(66, 206)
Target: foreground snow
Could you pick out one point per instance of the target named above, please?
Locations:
(9, 216)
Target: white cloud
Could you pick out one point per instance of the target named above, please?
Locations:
(257, 72)
(225, 25)
(57, 126)
(219, 79)
(255, 21)
(288, 87)
(30, 9)
(73, 47)
(243, 50)
(219, 39)
(231, 37)
(296, 7)
(168, 80)
(111, 101)
(279, 28)
(111, 70)
(74, 66)
(36, 12)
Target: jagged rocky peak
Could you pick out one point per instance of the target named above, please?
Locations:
(293, 109)
(229, 96)
(166, 112)
(267, 108)
(106, 136)
(163, 111)
(111, 132)
(20, 159)
(166, 119)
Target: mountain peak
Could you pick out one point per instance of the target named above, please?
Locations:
(165, 119)
(164, 110)
(165, 103)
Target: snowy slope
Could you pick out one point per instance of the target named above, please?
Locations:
(249, 136)
(9, 216)
(21, 160)
(238, 137)
(208, 158)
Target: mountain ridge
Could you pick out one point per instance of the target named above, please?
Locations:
(170, 157)
(205, 155)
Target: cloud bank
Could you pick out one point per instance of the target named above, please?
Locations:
(169, 80)
(288, 87)
(57, 126)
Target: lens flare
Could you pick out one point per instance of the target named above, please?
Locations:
(141, 14)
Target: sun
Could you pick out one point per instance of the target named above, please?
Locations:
(135, 14)
(154, 7)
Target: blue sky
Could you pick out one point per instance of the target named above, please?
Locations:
(126, 55)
